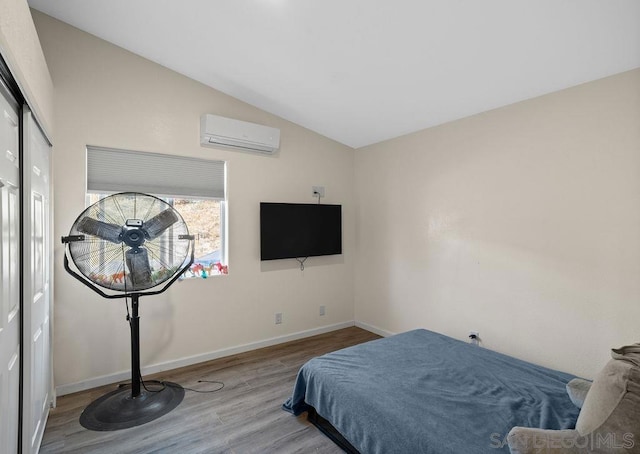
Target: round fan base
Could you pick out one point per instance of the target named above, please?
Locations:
(120, 410)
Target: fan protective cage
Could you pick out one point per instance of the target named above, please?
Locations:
(132, 242)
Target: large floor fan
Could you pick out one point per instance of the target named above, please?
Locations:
(129, 243)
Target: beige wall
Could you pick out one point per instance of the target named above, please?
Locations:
(106, 96)
(20, 47)
(522, 223)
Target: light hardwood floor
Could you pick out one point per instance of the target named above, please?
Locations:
(244, 417)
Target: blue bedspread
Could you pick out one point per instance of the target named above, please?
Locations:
(423, 392)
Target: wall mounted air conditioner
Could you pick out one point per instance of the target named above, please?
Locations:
(220, 131)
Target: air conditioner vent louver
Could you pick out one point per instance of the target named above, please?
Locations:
(228, 132)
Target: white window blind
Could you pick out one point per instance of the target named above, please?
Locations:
(111, 170)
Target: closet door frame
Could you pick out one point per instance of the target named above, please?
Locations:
(35, 389)
(37, 291)
(10, 270)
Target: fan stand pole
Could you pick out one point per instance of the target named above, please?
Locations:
(135, 347)
(123, 407)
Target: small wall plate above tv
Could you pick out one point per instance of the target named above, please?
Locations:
(299, 230)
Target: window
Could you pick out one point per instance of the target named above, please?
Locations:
(205, 219)
(194, 187)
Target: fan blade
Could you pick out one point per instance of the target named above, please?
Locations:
(159, 223)
(139, 268)
(103, 230)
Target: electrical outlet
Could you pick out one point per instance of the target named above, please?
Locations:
(322, 310)
(317, 191)
(278, 318)
(474, 337)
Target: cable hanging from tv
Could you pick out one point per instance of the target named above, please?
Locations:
(301, 261)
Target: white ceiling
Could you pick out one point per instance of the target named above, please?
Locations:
(363, 71)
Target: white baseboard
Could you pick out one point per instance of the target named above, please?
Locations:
(188, 361)
(374, 329)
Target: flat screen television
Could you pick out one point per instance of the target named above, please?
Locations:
(299, 230)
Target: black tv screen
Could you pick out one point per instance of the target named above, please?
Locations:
(298, 230)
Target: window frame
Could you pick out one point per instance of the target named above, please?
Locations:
(166, 176)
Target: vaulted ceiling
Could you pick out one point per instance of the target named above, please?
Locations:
(363, 71)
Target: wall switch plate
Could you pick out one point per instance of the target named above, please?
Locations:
(317, 191)
(322, 310)
(278, 318)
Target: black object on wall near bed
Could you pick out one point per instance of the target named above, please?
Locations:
(299, 230)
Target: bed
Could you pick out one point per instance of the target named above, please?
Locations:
(423, 392)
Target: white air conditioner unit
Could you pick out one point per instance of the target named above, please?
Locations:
(227, 132)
